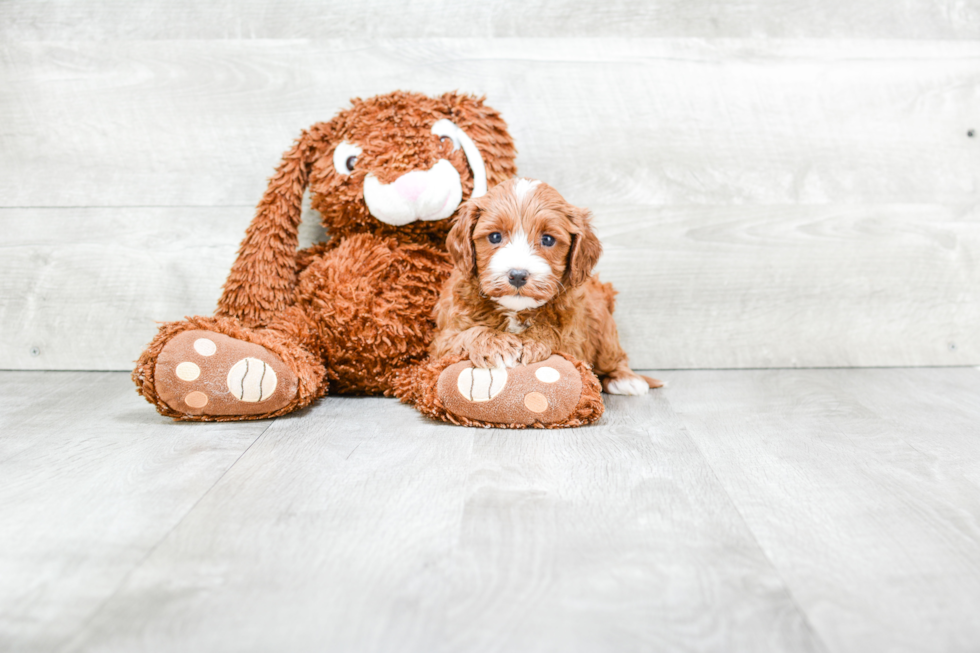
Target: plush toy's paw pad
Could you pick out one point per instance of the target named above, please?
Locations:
(543, 393)
(478, 384)
(203, 373)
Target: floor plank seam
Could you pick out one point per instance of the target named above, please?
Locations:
(95, 613)
(786, 588)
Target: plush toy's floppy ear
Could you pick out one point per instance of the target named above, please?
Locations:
(586, 248)
(488, 131)
(263, 277)
(459, 242)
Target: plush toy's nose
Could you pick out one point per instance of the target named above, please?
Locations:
(425, 195)
(410, 185)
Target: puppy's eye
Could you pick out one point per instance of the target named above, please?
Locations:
(351, 160)
(547, 240)
(495, 238)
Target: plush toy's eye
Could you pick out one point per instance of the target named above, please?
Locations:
(445, 138)
(443, 128)
(548, 240)
(495, 238)
(447, 133)
(344, 158)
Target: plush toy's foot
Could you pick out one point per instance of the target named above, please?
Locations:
(556, 393)
(205, 373)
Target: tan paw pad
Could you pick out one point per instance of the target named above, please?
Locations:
(478, 384)
(547, 374)
(542, 393)
(203, 373)
(187, 371)
(536, 402)
(251, 380)
(205, 346)
(196, 399)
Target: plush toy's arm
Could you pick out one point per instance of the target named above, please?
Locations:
(263, 277)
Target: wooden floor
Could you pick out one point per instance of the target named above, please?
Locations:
(767, 510)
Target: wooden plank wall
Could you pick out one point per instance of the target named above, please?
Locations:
(777, 184)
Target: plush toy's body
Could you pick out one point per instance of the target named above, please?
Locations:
(385, 175)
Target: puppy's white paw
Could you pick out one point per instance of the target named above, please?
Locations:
(503, 359)
(510, 358)
(627, 385)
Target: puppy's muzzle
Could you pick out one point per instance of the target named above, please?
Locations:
(518, 278)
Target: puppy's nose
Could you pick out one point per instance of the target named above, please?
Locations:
(518, 278)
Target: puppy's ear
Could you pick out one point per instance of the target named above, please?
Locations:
(459, 242)
(585, 250)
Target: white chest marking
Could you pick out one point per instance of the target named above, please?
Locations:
(514, 325)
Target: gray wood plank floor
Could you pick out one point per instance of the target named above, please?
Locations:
(753, 510)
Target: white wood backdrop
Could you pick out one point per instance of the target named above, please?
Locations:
(778, 185)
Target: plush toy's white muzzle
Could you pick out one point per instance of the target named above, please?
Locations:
(431, 194)
(425, 195)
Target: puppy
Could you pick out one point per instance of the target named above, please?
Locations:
(523, 287)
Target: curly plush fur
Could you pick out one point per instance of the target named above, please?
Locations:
(348, 314)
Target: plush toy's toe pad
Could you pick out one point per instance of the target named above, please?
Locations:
(203, 373)
(541, 393)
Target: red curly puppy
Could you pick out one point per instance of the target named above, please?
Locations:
(523, 287)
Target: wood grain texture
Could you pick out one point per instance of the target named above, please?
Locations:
(84, 288)
(700, 286)
(333, 535)
(338, 531)
(617, 121)
(747, 510)
(611, 538)
(181, 19)
(795, 286)
(92, 480)
(862, 487)
(764, 202)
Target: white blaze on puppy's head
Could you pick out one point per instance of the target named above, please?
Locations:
(523, 186)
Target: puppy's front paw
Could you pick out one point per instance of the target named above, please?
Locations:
(534, 352)
(502, 350)
(625, 384)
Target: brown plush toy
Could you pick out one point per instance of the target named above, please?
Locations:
(354, 314)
